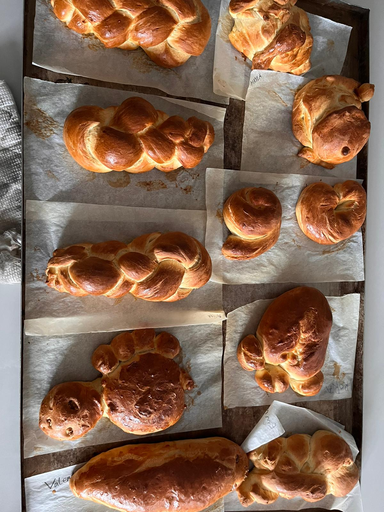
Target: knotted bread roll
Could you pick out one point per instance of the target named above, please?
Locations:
(253, 215)
(327, 215)
(290, 344)
(155, 267)
(300, 466)
(169, 31)
(135, 137)
(273, 34)
(175, 476)
(141, 390)
(328, 120)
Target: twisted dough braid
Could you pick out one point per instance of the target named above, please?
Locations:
(155, 267)
(327, 215)
(273, 34)
(300, 466)
(253, 215)
(169, 31)
(135, 137)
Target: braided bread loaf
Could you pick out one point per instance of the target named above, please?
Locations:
(155, 267)
(141, 390)
(328, 120)
(169, 31)
(253, 215)
(135, 137)
(273, 34)
(327, 215)
(290, 344)
(300, 466)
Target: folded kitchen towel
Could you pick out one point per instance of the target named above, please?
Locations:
(10, 188)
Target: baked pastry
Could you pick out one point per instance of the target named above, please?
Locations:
(176, 476)
(300, 466)
(253, 216)
(328, 120)
(169, 31)
(327, 215)
(273, 34)
(290, 344)
(141, 390)
(155, 267)
(135, 137)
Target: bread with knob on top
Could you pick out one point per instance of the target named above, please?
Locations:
(135, 137)
(300, 466)
(169, 31)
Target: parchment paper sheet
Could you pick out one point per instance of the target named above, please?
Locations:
(51, 174)
(286, 419)
(294, 258)
(240, 388)
(49, 361)
(50, 492)
(231, 70)
(60, 49)
(51, 225)
(268, 141)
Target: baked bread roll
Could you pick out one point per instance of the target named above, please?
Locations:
(273, 34)
(328, 120)
(176, 476)
(169, 31)
(290, 344)
(141, 390)
(300, 466)
(327, 215)
(135, 137)
(155, 267)
(253, 216)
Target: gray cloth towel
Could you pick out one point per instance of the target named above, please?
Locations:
(10, 188)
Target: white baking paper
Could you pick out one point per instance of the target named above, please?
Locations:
(60, 49)
(240, 387)
(68, 358)
(268, 141)
(50, 492)
(286, 419)
(294, 258)
(232, 70)
(51, 174)
(50, 225)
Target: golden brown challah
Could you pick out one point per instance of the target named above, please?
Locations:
(290, 343)
(253, 215)
(327, 215)
(273, 34)
(169, 31)
(135, 137)
(328, 121)
(141, 390)
(175, 476)
(155, 267)
(300, 466)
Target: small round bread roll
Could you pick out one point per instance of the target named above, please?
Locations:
(327, 215)
(253, 215)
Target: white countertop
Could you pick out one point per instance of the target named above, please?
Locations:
(11, 16)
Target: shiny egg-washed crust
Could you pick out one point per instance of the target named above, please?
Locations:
(176, 476)
(169, 31)
(141, 390)
(300, 466)
(135, 137)
(328, 121)
(272, 34)
(327, 215)
(290, 344)
(155, 267)
(253, 216)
